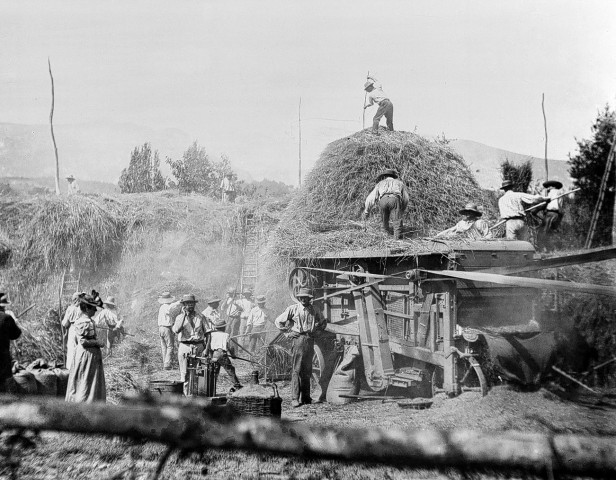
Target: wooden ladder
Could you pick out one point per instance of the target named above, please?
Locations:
(250, 265)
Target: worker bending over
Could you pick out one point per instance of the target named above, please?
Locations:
(219, 348)
(392, 197)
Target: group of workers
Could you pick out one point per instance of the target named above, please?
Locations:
(218, 334)
(392, 197)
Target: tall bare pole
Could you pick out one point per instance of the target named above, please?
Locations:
(545, 127)
(363, 120)
(55, 148)
(299, 112)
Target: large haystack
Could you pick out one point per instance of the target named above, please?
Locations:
(320, 218)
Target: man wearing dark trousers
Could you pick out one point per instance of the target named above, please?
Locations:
(392, 197)
(377, 96)
(301, 321)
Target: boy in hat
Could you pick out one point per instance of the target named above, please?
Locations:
(471, 226)
(302, 321)
(392, 197)
(376, 95)
(8, 331)
(190, 327)
(511, 207)
(256, 323)
(219, 348)
(165, 332)
(73, 187)
(110, 323)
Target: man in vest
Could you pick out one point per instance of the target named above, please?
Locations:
(301, 321)
(392, 197)
(190, 327)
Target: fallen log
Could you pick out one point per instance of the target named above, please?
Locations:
(196, 427)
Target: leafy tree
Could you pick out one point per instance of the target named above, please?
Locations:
(521, 175)
(143, 172)
(587, 168)
(196, 172)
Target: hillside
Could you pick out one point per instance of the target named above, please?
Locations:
(484, 161)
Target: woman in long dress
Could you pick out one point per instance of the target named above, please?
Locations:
(86, 380)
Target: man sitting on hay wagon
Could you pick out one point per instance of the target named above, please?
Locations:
(301, 321)
(472, 226)
(392, 197)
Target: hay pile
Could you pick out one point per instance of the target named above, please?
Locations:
(323, 215)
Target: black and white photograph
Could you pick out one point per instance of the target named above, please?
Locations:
(305, 240)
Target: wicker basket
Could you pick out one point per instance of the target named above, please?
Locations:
(264, 403)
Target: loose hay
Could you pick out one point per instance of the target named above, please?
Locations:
(323, 215)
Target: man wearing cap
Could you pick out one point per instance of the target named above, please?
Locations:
(552, 215)
(212, 314)
(73, 187)
(219, 348)
(256, 323)
(376, 95)
(301, 321)
(110, 323)
(165, 332)
(190, 327)
(471, 226)
(72, 313)
(511, 207)
(245, 303)
(392, 197)
(8, 331)
(233, 312)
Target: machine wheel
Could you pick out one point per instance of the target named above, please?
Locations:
(300, 278)
(470, 377)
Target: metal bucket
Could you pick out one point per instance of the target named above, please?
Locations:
(202, 373)
(166, 387)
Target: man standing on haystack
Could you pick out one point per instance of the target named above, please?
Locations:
(553, 215)
(165, 332)
(511, 207)
(392, 197)
(190, 327)
(472, 226)
(302, 321)
(376, 95)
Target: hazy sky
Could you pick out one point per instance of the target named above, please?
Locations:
(230, 73)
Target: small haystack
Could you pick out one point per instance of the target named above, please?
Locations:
(323, 216)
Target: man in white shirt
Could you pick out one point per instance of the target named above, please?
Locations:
(256, 323)
(233, 311)
(212, 314)
(472, 226)
(73, 187)
(392, 197)
(377, 96)
(165, 323)
(553, 215)
(228, 188)
(511, 206)
(246, 305)
(111, 323)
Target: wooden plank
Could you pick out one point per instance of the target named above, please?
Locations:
(527, 282)
(383, 364)
(424, 320)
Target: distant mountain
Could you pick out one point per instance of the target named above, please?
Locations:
(484, 161)
(48, 185)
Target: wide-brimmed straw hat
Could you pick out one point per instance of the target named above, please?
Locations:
(70, 177)
(190, 298)
(552, 183)
(260, 299)
(304, 292)
(166, 297)
(471, 208)
(214, 300)
(247, 293)
(506, 184)
(4, 300)
(389, 172)
(110, 301)
(368, 83)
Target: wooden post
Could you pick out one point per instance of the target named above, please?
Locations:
(53, 138)
(450, 382)
(545, 127)
(190, 425)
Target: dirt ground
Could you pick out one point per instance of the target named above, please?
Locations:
(67, 456)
